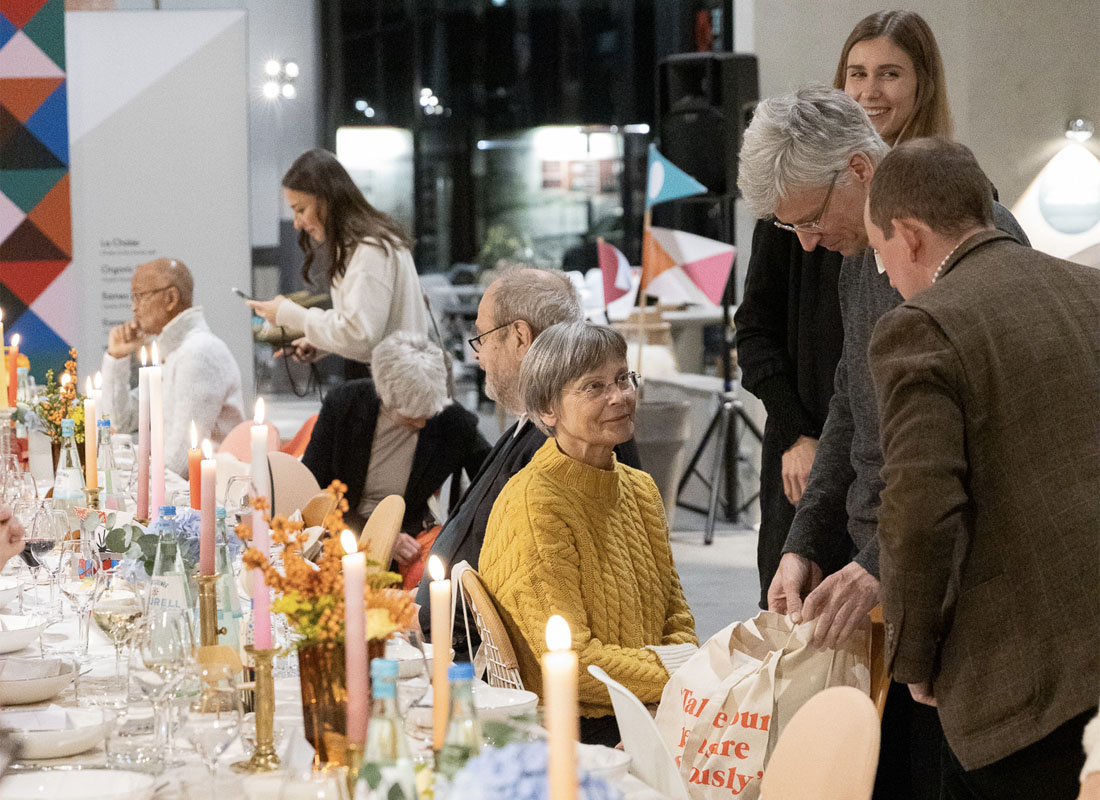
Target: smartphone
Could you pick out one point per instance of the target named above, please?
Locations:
(240, 294)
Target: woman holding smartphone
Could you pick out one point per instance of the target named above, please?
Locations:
(367, 260)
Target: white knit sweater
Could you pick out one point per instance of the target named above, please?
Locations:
(377, 295)
(202, 382)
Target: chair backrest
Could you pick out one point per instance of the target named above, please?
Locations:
(381, 529)
(319, 506)
(292, 484)
(880, 675)
(239, 440)
(828, 751)
(501, 664)
(650, 758)
(297, 445)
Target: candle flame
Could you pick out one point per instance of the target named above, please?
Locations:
(349, 542)
(558, 636)
(258, 417)
(207, 449)
(66, 379)
(98, 382)
(88, 386)
(15, 339)
(144, 356)
(155, 358)
(435, 568)
(194, 436)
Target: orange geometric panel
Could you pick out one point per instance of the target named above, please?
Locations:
(28, 279)
(23, 96)
(655, 259)
(53, 216)
(20, 12)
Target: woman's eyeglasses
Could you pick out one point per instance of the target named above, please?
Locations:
(596, 390)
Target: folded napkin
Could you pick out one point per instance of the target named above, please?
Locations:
(29, 669)
(53, 718)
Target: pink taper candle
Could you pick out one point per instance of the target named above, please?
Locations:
(91, 471)
(13, 366)
(143, 437)
(208, 469)
(559, 695)
(261, 536)
(355, 640)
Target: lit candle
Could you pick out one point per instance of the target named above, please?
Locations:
(3, 372)
(261, 537)
(143, 437)
(440, 591)
(355, 639)
(194, 456)
(156, 433)
(208, 470)
(13, 365)
(559, 702)
(91, 471)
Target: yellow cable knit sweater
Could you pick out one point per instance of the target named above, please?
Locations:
(592, 545)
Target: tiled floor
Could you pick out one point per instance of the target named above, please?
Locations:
(719, 580)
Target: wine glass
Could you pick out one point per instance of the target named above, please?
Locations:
(117, 612)
(408, 648)
(162, 649)
(82, 579)
(211, 719)
(36, 543)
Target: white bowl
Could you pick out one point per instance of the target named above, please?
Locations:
(408, 657)
(88, 731)
(490, 702)
(14, 693)
(18, 632)
(82, 784)
(9, 589)
(603, 762)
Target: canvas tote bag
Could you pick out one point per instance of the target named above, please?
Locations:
(722, 711)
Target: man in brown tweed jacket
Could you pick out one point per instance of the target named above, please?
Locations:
(987, 380)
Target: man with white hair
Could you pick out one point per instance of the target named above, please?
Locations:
(807, 161)
(395, 433)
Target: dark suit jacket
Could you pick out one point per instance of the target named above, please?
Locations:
(464, 532)
(340, 446)
(987, 383)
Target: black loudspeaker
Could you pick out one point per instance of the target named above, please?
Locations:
(704, 102)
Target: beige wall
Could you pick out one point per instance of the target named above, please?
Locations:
(1016, 69)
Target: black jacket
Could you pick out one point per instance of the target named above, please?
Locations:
(462, 536)
(340, 447)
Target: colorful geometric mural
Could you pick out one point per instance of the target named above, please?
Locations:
(35, 216)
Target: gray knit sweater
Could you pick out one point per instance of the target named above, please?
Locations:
(846, 472)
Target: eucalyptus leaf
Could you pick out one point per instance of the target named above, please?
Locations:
(396, 792)
(372, 774)
(117, 541)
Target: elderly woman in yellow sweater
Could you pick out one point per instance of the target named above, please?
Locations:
(578, 534)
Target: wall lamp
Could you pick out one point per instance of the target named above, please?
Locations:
(279, 77)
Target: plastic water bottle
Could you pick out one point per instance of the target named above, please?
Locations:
(68, 482)
(387, 770)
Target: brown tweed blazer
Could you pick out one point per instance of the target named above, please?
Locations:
(988, 386)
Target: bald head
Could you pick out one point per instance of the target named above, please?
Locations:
(170, 272)
(160, 291)
(539, 297)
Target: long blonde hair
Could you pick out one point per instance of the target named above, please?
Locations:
(931, 114)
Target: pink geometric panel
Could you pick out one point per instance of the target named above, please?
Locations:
(22, 58)
(10, 216)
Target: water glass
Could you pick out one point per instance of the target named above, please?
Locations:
(118, 613)
(82, 580)
(131, 742)
(210, 716)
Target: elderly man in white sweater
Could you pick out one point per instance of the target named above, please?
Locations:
(202, 382)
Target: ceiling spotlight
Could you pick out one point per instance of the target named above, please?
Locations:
(272, 67)
(290, 69)
(1079, 129)
(368, 112)
(271, 89)
(425, 93)
(289, 92)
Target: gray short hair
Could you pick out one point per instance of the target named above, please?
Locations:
(801, 140)
(561, 354)
(539, 297)
(410, 375)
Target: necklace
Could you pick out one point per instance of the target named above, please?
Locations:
(939, 270)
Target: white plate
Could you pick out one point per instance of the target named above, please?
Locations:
(14, 693)
(9, 589)
(490, 702)
(408, 657)
(87, 731)
(603, 762)
(17, 632)
(82, 784)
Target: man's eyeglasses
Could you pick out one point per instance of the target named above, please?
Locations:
(626, 382)
(137, 297)
(815, 225)
(475, 343)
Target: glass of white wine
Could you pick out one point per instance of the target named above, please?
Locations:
(161, 653)
(82, 580)
(118, 612)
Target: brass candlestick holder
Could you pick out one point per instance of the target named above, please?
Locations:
(91, 497)
(208, 611)
(264, 758)
(354, 758)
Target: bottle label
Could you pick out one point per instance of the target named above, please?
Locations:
(168, 592)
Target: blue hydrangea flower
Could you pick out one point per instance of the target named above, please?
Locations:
(517, 771)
